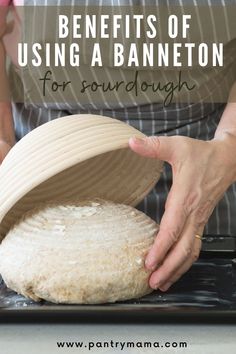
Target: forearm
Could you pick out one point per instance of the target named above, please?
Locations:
(225, 134)
(6, 121)
(6, 124)
(227, 125)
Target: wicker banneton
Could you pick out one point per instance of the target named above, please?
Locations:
(80, 156)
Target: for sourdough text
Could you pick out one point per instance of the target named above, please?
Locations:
(167, 89)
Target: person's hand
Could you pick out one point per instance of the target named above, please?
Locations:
(4, 149)
(202, 172)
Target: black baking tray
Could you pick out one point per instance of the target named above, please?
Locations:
(207, 293)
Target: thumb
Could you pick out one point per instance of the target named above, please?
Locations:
(155, 147)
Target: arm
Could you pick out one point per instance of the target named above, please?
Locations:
(202, 172)
(228, 120)
(7, 136)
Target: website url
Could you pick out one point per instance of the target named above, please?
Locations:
(121, 345)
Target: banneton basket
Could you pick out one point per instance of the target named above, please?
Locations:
(79, 156)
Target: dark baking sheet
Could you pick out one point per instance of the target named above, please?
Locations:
(207, 291)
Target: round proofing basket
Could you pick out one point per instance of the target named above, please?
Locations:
(80, 156)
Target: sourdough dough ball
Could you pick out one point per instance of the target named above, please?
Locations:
(87, 253)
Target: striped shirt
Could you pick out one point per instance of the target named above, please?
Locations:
(197, 120)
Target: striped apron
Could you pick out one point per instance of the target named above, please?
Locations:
(195, 120)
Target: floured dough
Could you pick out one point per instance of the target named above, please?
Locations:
(87, 253)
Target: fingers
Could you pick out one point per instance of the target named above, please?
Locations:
(179, 254)
(184, 267)
(172, 224)
(171, 227)
(161, 148)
